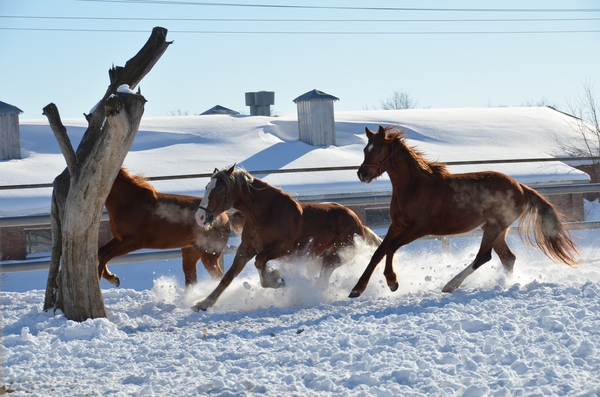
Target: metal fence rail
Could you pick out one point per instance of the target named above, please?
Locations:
(344, 199)
(341, 168)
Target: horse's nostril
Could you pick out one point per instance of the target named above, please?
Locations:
(200, 217)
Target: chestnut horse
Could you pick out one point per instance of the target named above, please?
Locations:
(277, 226)
(429, 200)
(141, 217)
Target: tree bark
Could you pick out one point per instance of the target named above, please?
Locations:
(81, 190)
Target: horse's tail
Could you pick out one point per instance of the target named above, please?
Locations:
(371, 237)
(543, 222)
(236, 222)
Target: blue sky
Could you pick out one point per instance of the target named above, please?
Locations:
(444, 58)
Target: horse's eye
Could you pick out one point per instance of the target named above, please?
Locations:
(379, 151)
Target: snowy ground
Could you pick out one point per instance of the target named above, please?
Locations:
(533, 333)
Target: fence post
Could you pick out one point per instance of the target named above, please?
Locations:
(445, 245)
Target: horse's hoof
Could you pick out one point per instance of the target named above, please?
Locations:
(447, 289)
(354, 294)
(201, 305)
(117, 282)
(394, 287)
(281, 282)
(197, 308)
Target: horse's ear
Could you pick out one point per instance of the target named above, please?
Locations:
(230, 170)
(369, 132)
(215, 171)
(381, 130)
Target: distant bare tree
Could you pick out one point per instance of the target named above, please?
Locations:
(542, 102)
(399, 100)
(586, 126)
(489, 104)
(179, 112)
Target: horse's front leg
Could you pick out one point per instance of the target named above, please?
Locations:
(407, 236)
(242, 256)
(378, 255)
(390, 244)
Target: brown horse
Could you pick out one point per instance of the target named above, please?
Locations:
(428, 200)
(277, 226)
(141, 217)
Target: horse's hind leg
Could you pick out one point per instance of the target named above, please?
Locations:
(490, 234)
(110, 250)
(189, 259)
(212, 263)
(507, 258)
(331, 261)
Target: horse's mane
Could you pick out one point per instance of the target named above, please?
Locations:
(137, 180)
(418, 165)
(243, 178)
(240, 177)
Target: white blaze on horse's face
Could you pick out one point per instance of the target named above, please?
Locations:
(364, 173)
(201, 216)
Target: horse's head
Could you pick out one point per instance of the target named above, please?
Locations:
(217, 198)
(378, 155)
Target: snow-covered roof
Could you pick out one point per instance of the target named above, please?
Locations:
(315, 95)
(192, 145)
(6, 108)
(218, 109)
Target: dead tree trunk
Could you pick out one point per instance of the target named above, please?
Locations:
(81, 190)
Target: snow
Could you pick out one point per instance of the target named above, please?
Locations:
(124, 89)
(534, 332)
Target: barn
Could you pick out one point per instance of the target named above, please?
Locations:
(191, 145)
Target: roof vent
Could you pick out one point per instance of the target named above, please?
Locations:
(260, 102)
(10, 138)
(315, 118)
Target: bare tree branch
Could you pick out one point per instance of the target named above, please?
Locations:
(60, 132)
(131, 74)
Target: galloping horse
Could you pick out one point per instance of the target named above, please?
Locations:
(428, 200)
(141, 217)
(277, 226)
